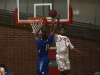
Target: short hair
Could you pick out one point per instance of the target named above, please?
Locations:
(44, 36)
(61, 28)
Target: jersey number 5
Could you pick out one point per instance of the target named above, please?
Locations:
(47, 47)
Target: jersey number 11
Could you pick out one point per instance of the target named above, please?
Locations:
(47, 46)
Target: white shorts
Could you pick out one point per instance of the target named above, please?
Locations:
(63, 62)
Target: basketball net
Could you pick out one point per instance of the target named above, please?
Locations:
(36, 23)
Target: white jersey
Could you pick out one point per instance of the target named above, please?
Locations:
(62, 44)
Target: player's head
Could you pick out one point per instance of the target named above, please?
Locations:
(44, 36)
(62, 30)
(4, 66)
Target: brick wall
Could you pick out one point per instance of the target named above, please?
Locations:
(89, 62)
(18, 51)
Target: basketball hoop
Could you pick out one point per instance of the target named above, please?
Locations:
(36, 23)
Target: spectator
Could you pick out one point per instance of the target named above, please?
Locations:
(5, 69)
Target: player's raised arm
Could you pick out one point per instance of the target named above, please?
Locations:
(78, 51)
(52, 26)
(56, 26)
(73, 48)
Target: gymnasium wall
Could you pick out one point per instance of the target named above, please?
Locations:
(18, 50)
(88, 9)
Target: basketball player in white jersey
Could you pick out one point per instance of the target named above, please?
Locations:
(63, 45)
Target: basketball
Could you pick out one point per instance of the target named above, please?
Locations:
(52, 13)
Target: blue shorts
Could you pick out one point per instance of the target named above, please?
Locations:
(42, 66)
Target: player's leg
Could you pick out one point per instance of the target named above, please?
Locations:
(38, 70)
(46, 65)
(60, 63)
(43, 68)
(67, 72)
(66, 69)
(62, 73)
(67, 66)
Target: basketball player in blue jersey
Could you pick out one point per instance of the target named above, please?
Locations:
(43, 48)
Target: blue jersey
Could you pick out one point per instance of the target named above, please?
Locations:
(8, 73)
(43, 46)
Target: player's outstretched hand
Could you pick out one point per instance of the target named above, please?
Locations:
(79, 52)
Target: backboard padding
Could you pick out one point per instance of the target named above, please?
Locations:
(63, 8)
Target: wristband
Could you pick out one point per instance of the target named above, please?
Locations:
(79, 52)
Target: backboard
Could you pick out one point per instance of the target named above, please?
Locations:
(40, 8)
